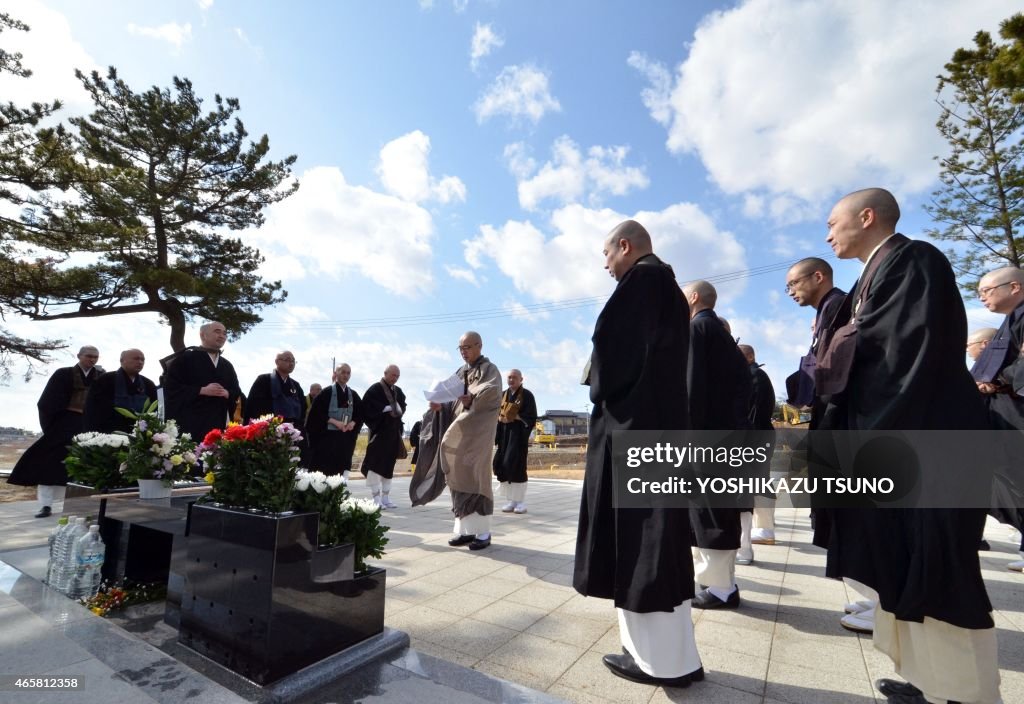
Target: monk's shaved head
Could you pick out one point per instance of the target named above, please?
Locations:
(707, 296)
(1004, 275)
(881, 201)
(635, 233)
(471, 338)
(810, 265)
(981, 335)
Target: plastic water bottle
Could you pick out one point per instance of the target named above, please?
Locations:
(88, 561)
(52, 542)
(60, 541)
(65, 568)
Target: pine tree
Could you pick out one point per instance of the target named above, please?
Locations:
(26, 158)
(157, 182)
(979, 206)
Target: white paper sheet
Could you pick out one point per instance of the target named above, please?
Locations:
(447, 390)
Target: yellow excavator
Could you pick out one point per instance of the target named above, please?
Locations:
(541, 436)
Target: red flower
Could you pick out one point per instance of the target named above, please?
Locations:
(236, 432)
(212, 437)
(256, 430)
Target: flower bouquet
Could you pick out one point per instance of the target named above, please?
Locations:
(342, 518)
(155, 449)
(94, 459)
(252, 466)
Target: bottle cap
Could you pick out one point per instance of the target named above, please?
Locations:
(80, 521)
(62, 521)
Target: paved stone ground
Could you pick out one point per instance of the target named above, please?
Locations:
(510, 610)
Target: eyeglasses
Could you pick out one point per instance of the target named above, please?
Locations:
(467, 348)
(989, 289)
(794, 282)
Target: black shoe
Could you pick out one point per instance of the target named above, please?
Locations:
(983, 546)
(895, 688)
(44, 512)
(480, 544)
(625, 667)
(706, 600)
(461, 540)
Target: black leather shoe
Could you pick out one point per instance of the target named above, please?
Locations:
(895, 688)
(461, 540)
(480, 544)
(707, 600)
(625, 667)
(44, 512)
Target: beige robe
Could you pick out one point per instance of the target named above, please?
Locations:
(468, 445)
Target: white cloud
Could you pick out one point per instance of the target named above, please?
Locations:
(460, 5)
(294, 316)
(404, 171)
(335, 228)
(521, 312)
(569, 176)
(551, 368)
(173, 33)
(807, 99)
(462, 274)
(519, 92)
(52, 53)
(657, 96)
(485, 40)
(568, 264)
(244, 38)
(204, 5)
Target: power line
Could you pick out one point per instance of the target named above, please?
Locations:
(505, 312)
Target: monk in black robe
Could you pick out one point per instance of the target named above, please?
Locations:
(719, 393)
(516, 418)
(638, 557)
(758, 527)
(123, 388)
(383, 408)
(200, 386)
(333, 425)
(934, 616)
(414, 441)
(278, 393)
(60, 416)
(999, 373)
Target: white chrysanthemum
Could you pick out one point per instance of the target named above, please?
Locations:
(83, 438)
(319, 484)
(266, 417)
(171, 429)
(368, 506)
(302, 481)
(335, 480)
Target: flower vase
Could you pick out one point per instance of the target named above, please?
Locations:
(153, 489)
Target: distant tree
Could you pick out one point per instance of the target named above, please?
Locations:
(1008, 67)
(153, 181)
(979, 206)
(26, 156)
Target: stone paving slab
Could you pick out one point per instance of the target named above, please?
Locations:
(509, 612)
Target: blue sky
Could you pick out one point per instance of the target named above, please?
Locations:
(438, 180)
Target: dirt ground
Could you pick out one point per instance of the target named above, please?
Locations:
(543, 463)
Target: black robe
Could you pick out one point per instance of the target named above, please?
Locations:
(385, 430)
(100, 415)
(513, 439)
(719, 383)
(1000, 363)
(186, 375)
(414, 441)
(640, 557)
(911, 329)
(260, 401)
(330, 451)
(43, 461)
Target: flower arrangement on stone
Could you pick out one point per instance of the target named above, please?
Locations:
(252, 466)
(156, 449)
(94, 459)
(343, 519)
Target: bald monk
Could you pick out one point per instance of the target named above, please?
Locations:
(383, 408)
(719, 384)
(934, 616)
(467, 443)
(999, 373)
(638, 557)
(978, 340)
(122, 388)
